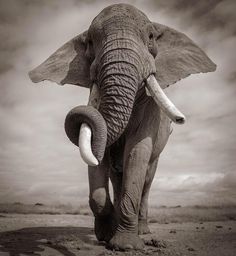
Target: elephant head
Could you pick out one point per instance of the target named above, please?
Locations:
(118, 57)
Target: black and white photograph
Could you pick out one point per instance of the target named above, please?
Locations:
(117, 128)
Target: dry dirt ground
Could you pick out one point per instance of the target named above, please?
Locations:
(71, 235)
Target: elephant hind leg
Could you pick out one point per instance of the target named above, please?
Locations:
(116, 170)
(116, 180)
(143, 211)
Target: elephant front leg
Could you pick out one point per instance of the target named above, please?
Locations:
(143, 211)
(100, 202)
(135, 167)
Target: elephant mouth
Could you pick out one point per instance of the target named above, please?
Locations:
(90, 134)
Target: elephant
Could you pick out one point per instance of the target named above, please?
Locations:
(126, 61)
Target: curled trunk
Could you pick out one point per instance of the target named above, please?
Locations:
(89, 115)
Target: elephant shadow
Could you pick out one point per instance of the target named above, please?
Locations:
(59, 240)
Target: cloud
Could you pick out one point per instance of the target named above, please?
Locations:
(38, 163)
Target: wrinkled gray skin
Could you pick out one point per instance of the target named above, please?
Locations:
(118, 53)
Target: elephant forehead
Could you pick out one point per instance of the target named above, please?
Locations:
(120, 12)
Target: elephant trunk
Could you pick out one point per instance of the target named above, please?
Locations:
(122, 68)
(86, 128)
(119, 77)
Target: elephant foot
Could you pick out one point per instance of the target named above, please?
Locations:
(143, 227)
(105, 227)
(126, 241)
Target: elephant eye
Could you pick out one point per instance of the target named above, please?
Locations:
(151, 36)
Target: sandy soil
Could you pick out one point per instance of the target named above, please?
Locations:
(72, 235)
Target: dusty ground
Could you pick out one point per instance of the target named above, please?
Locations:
(72, 235)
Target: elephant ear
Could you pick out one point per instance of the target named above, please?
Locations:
(178, 57)
(68, 65)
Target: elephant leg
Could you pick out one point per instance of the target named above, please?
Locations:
(100, 202)
(135, 166)
(143, 211)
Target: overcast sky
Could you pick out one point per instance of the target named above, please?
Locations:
(37, 161)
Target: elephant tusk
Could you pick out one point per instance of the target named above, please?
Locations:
(85, 145)
(163, 102)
